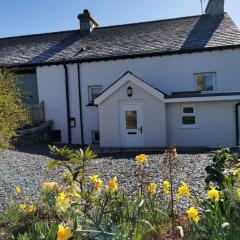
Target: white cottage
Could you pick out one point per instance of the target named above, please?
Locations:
(151, 84)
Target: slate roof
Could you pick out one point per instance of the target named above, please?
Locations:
(195, 33)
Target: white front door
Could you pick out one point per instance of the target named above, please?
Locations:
(131, 123)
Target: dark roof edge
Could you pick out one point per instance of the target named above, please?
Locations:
(216, 94)
(130, 56)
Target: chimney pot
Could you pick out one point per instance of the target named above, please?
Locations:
(87, 22)
(215, 7)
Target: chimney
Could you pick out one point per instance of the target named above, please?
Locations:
(215, 7)
(87, 22)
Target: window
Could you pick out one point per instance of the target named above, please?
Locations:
(95, 137)
(188, 116)
(27, 83)
(94, 92)
(131, 119)
(205, 81)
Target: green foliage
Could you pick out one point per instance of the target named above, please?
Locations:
(40, 231)
(12, 113)
(74, 161)
(106, 215)
(84, 207)
(220, 219)
(12, 215)
(221, 159)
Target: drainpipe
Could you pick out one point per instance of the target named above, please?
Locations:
(80, 103)
(67, 102)
(237, 123)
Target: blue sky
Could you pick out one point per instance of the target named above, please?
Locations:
(20, 17)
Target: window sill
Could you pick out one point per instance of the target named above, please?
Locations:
(91, 105)
(189, 127)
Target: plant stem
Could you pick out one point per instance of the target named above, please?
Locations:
(172, 202)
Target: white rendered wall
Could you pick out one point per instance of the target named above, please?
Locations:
(52, 90)
(215, 125)
(168, 73)
(74, 102)
(154, 124)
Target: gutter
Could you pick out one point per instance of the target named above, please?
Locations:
(67, 102)
(80, 104)
(237, 123)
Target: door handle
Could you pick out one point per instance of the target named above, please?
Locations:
(141, 129)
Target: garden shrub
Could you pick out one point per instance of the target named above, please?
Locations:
(12, 113)
(220, 219)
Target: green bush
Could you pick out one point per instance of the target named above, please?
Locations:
(12, 113)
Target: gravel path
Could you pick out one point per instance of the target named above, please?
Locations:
(27, 168)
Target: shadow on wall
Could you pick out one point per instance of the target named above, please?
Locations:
(202, 32)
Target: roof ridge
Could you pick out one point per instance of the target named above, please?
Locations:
(103, 27)
(153, 21)
(110, 26)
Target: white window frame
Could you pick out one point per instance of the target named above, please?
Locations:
(90, 100)
(188, 115)
(206, 74)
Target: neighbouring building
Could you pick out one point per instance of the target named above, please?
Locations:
(149, 84)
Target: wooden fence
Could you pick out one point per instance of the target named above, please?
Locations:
(36, 112)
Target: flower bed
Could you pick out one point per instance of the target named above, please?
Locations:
(86, 207)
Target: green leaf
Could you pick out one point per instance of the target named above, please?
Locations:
(75, 160)
(141, 203)
(89, 154)
(52, 164)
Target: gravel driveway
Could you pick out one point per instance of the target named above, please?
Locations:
(27, 168)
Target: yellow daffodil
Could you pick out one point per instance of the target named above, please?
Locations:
(213, 194)
(18, 190)
(141, 159)
(64, 233)
(22, 207)
(93, 178)
(183, 190)
(112, 185)
(152, 188)
(237, 173)
(32, 209)
(193, 214)
(166, 185)
(62, 201)
(98, 184)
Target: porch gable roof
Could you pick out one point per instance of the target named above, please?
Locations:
(128, 76)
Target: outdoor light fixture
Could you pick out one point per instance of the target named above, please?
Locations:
(72, 122)
(129, 91)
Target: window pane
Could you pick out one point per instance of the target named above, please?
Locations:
(205, 82)
(27, 83)
(95, 92)
(209, 83)
(188, 120)
(131, 119)
(188, 110)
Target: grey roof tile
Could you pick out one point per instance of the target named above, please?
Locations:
(164, 36)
